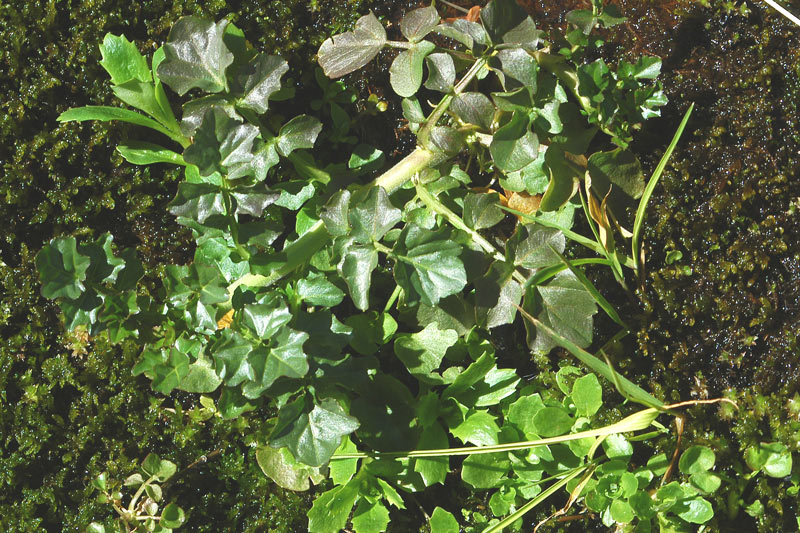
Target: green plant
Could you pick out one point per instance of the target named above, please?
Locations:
(261, 315)
(141, 514)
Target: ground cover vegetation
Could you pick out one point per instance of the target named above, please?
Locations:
(463, 276)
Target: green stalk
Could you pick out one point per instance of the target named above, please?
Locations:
(439, 208)
(549, 491)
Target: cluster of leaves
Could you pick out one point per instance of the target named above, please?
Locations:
(262, 314)
(141, 514)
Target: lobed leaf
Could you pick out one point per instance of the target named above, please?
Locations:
(260, 78)
(196, 56)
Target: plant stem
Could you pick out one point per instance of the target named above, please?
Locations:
(269, 269)
(439, 208)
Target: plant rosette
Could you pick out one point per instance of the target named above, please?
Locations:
(357, 314)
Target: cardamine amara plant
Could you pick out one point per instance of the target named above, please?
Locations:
(357, 314)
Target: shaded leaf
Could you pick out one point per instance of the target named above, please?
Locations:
(370, 517)
(481, 210)
(422, 352)
(474, 108)
(532, 246)
(501, 16)
(567, 308)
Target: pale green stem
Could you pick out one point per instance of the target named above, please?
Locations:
(439, 208)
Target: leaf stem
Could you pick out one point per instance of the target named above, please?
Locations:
(439, 208)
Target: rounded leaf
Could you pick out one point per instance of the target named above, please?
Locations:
(172, 516)
(696, 459)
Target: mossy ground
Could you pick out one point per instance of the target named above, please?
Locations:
(721, 320)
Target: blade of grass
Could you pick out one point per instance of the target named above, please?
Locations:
(604, 304)
(648, 191)
(631, 390)
(635, 422)
(545, 273)
(549, 491)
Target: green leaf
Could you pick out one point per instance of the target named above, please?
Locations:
(283, 469)
(260, 78)
(123, 61)
(105, 114)
(587, 395)
(647, 67)
(485, 471)
(336, 214)
(501, 16)
(422, 352)
(552, 422)
(479, 429)
(195, 110)
(371, 331)
(230, 358)
(441, 72)
(481, 210)
(331, 509)
(299, 132)
(418, 23)
(474, 108)
(312, 434)
(621, 511)
(514, 145)
(564, 179)
(567, 307)
(197, 201)
(317, 290)
(201, 378)
(169, 375)
(372, 218)
(619, 170)
(405, 74)
(343, 470)
(356, 268)
(62, 269)
(253, 200)
(172, 516)
(285, 357)
(222, 143)
(497, 296)
(162, 469)
(434, 469)
(583, 19)
(370, 517)
(521, 413)
(145, 153)
(428, 264)
(532, 246)
(266, 316)
(349, 51)
(519, 65)
(696, 459)
(195, 56)
(774, 458)
(443, 522)
(695, 511)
